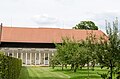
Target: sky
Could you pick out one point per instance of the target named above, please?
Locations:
(57, 13)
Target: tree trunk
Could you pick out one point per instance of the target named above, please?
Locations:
(111, 69)
(66, 66)
(88, 66)
(80, 67)
(72, 66)
(93, 65)
(62, 66)
(53, 66)
(76, 66)
(75, 69)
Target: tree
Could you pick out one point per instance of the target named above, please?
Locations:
(90, 46)
(88, 25)
(71, 52)
(109, 51)
(78, 55)
(63, 52)
(54, 61)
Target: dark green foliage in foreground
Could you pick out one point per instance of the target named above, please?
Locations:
(9, 67)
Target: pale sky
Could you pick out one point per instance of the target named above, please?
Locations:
(57, 13)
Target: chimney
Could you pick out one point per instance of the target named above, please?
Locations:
(1, 25)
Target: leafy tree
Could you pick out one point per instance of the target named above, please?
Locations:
(90, 54)
(91, 44)
(109, 51)
(76, 53)
(71, 52)
(88, 25)
(54, 61)
(63, 52)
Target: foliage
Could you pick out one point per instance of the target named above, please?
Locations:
(54, 61)
(105, 51)
(1, 53)
(90, 44)
(74, 53)
(9, 67)
(109, 51)
(86, 25)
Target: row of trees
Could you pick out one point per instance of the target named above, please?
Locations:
(104, 51)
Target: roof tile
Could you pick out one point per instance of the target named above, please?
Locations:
(44, 35)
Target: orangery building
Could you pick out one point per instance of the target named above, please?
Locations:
(35, 46)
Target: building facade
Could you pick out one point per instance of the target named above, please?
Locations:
(35, 46)
(29, 53)
(31, 56)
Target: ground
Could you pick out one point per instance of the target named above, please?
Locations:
(57, 73)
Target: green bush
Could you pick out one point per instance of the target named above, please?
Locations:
(1, 53)
(9, 67)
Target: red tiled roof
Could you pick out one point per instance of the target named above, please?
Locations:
(44, 35)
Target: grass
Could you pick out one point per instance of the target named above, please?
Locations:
(41, 73)
(57, 73)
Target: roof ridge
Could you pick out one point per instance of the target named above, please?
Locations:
(30, 27)
(49, 28)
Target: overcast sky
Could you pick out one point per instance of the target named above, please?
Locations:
(57, 13)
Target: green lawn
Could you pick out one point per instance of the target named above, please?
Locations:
(49, 73)
(41, 73)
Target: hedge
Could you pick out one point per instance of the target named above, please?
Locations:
(9, 67)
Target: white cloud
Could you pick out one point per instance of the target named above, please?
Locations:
(66, 1)
(46, 21)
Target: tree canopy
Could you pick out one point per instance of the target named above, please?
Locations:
(92, 51)
(88, 25)
(108, 52)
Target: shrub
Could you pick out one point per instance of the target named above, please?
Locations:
(9, 67)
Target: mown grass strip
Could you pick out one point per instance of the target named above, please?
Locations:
(57, 73)
(41, 73)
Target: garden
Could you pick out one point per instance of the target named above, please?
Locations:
(93, 58)
(94, 51)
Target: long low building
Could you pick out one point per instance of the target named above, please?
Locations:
(35, 46)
